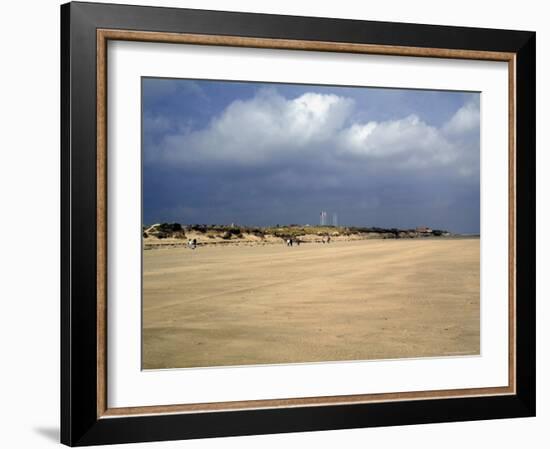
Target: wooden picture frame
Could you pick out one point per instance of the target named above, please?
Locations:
(85, 417)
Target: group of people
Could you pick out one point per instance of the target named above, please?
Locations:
(192, 243)
(290, 242)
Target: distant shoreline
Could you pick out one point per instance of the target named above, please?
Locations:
(173, 235)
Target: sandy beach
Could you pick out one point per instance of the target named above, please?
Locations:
(348, 300)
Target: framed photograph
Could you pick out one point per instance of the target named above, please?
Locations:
(280, 224)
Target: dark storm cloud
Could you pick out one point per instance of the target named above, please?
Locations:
(257, 154)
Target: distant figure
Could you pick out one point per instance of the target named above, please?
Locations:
(192, 243)
(288, 242)
(328, 238)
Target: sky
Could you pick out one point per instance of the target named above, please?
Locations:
(261, 154)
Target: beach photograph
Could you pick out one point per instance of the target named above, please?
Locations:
(294, 223)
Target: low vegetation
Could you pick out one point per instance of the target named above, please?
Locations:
(295, 232)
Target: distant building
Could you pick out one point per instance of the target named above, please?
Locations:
(423, 230)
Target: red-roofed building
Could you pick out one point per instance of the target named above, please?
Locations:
(423, 230)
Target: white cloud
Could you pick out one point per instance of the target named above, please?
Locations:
(465, 120)
(269, 127)
(409, 141)
(257, 130)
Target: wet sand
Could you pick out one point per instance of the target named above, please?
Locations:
(357, 300)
